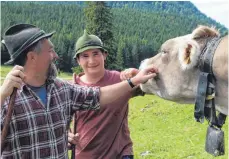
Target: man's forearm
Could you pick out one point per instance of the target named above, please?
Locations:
(111, 93)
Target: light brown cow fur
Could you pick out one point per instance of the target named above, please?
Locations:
(177, 63)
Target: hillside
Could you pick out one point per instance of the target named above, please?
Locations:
(139, 28)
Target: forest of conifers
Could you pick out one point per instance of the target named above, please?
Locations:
(138, 28)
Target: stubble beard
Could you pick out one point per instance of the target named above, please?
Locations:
(52, 71)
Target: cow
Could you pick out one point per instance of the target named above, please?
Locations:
(178, 68)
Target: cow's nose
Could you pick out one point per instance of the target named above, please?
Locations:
(156, 78)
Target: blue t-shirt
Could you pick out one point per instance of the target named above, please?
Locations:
(41, 93)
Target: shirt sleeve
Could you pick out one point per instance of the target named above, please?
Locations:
(3, 114)
(85, 98)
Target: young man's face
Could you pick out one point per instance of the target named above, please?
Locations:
(92, 61)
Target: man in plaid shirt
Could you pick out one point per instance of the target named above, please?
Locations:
(44, 104)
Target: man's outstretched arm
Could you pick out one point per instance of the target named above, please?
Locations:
(110, 93)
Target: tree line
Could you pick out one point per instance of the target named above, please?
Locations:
(131, 31)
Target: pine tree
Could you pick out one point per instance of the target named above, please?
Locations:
(135, 55)
(99, 22)
(119, 57)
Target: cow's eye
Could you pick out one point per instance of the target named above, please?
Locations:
(163, 52)
(164, 56)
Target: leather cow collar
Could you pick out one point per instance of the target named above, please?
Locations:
(205, 102)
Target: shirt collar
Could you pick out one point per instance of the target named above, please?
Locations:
(49, 81)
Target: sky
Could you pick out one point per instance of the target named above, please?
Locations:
(215, 9)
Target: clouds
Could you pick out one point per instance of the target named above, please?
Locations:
(216, 9)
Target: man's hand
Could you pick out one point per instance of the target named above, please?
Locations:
(128, 73)
(109, 94)
(72, 139)
(144, 75)
(13, 79)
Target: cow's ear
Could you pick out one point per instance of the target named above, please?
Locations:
(204, 32)
(189, 53)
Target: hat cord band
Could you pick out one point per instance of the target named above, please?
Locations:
(90, 44)
(30, 40)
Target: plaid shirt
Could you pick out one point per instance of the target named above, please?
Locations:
(38, 131)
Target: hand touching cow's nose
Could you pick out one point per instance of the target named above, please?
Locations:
(128, 73)
(145, 74)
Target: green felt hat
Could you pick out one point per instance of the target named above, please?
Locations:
(87, 42)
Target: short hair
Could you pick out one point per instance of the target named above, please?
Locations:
(22, 58)
(102, 50)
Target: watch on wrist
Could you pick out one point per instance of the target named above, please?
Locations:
(130, 83)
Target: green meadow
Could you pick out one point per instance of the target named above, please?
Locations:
(5, 69)
(163, 129)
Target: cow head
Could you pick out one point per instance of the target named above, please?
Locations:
(177, 63)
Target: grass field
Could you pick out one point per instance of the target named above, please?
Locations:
(6, 69)
(162, 129)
